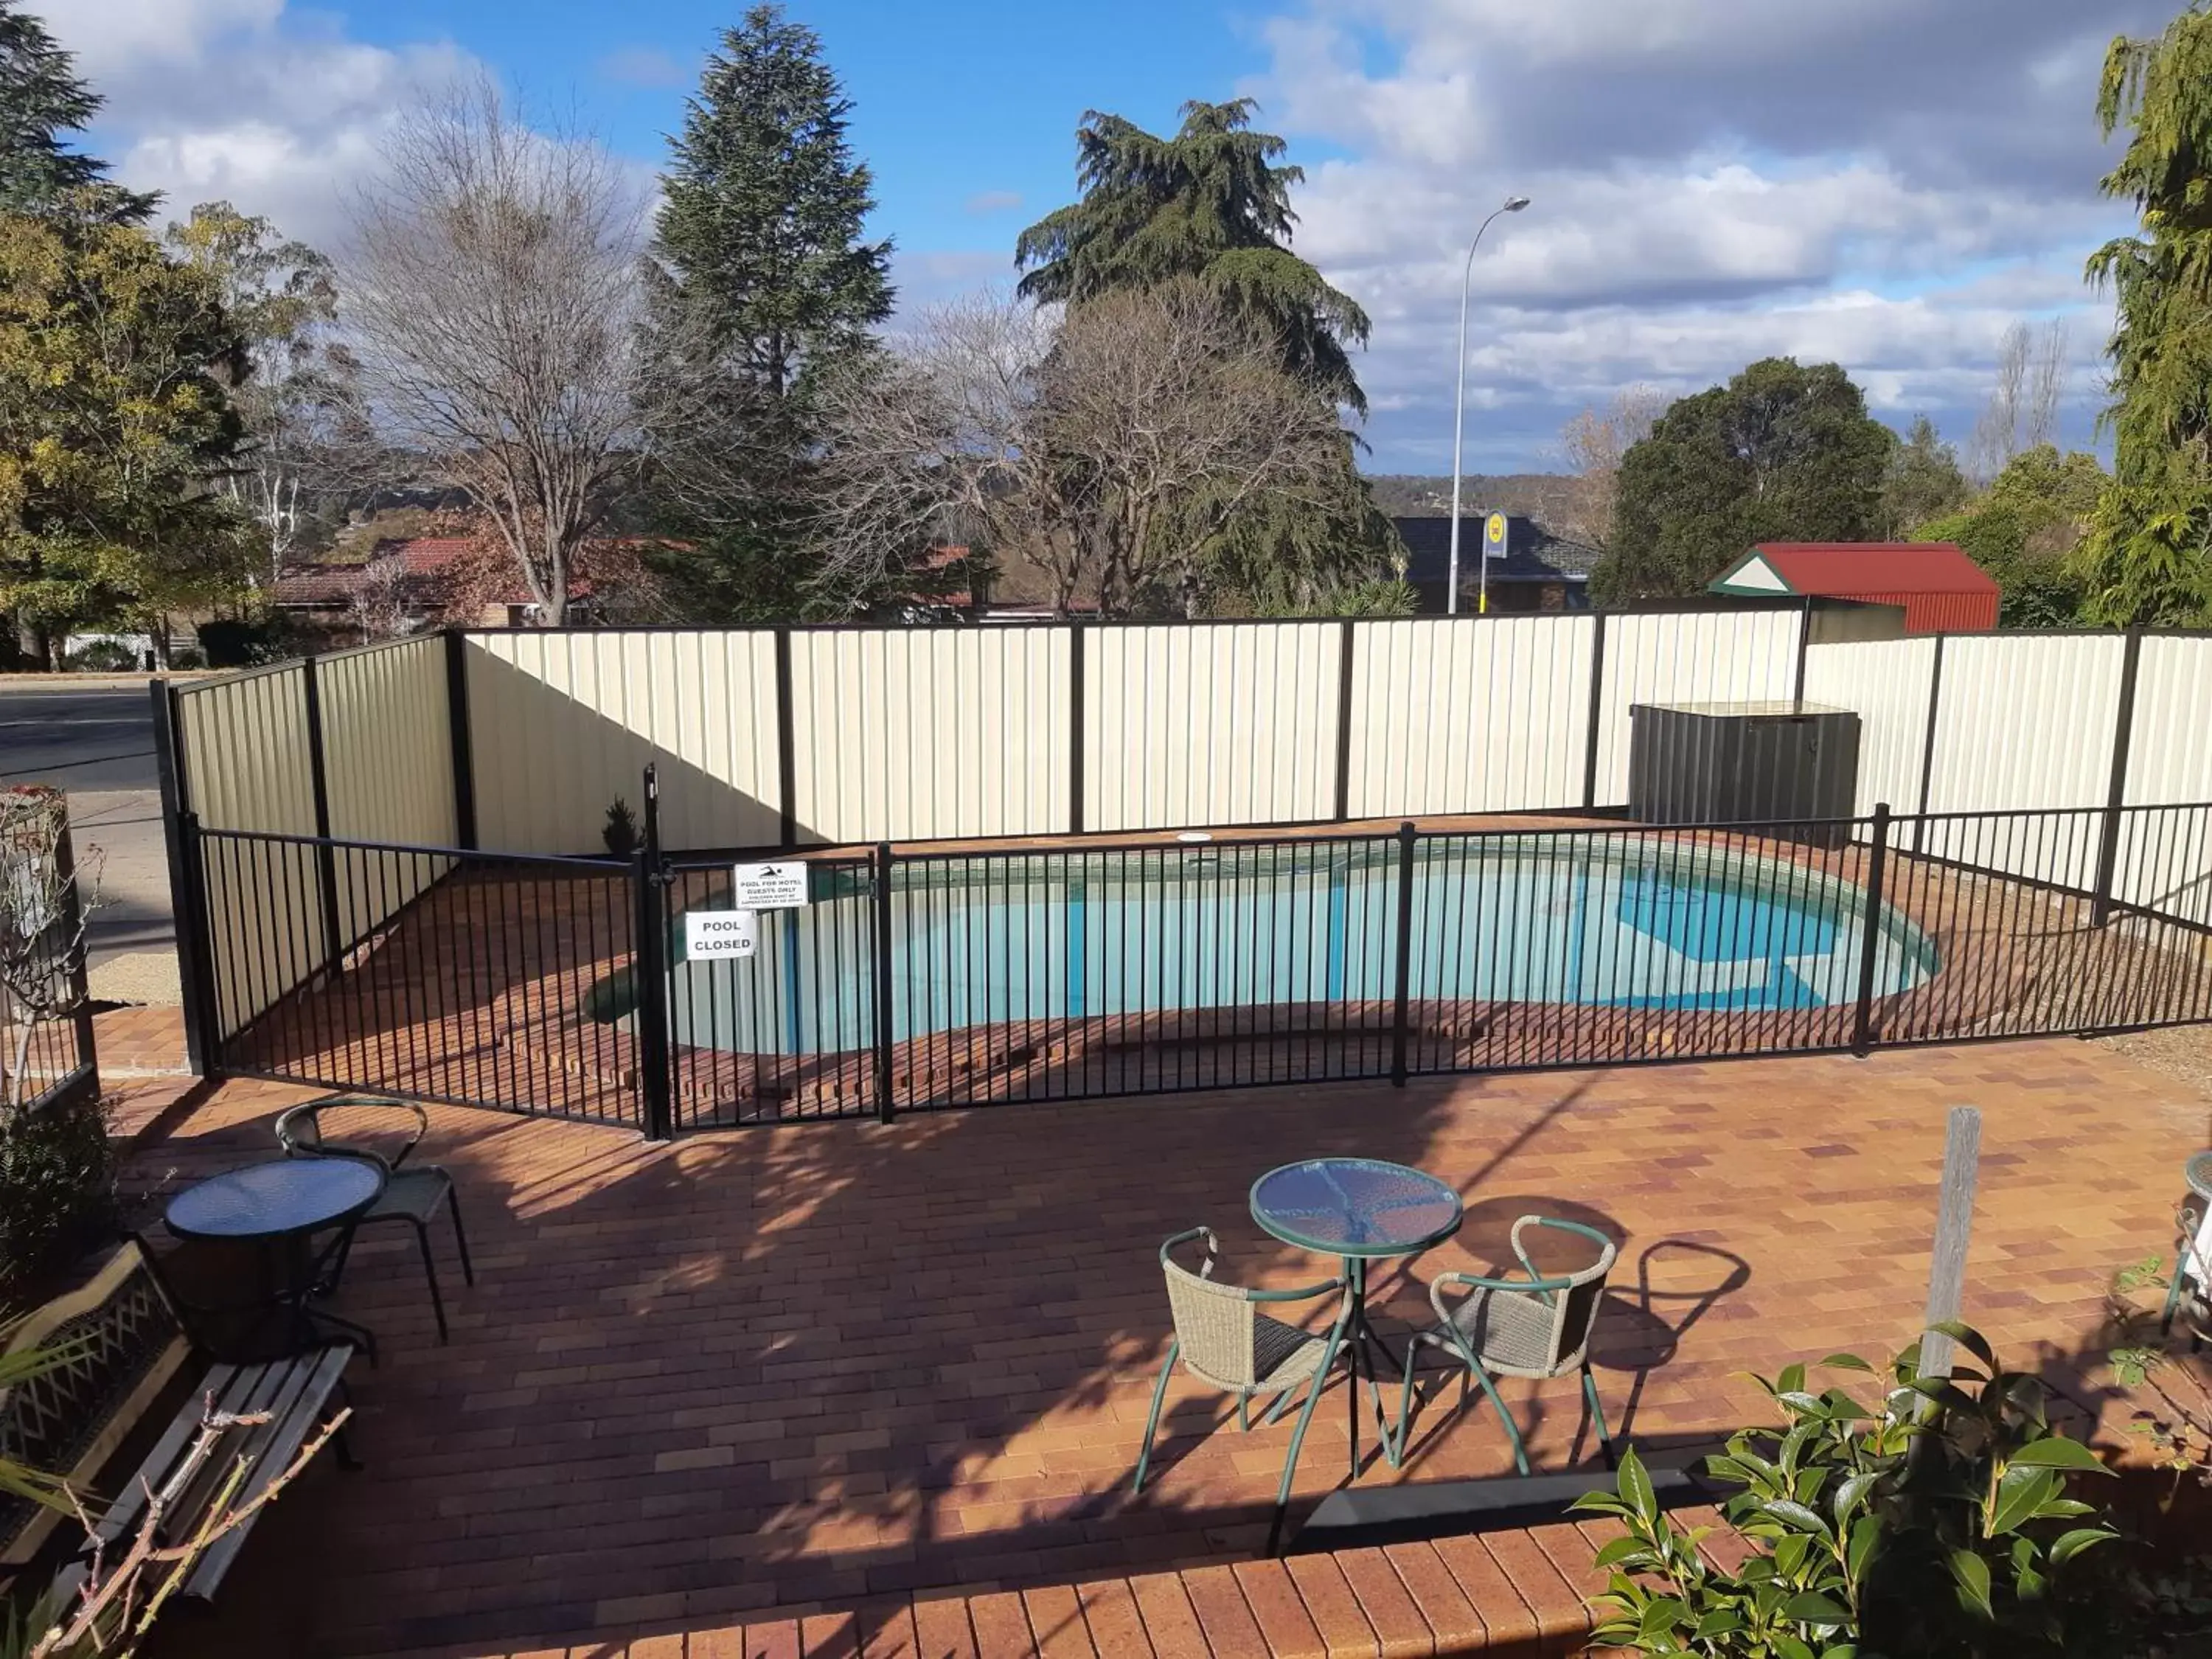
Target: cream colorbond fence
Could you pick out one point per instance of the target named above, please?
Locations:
(943, 733)
(518, 741)
(246, 763)
(840, 736)
(1216, 724)
(782, 736)
(1709, 656)
(388, 772)
(562, 724)
(1888, 682)
(353, 746)
(1449, 719)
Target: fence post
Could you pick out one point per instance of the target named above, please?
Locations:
(1804, 646)
(881, 897)
(1871, 931)
(1345, 645)
(1954, 1227)
(1927, 742)
(1075, 717)
(1400, 1022)
(787, 743)
(193, 964)
(326, 864)
(203, 1003)
(459, 742)
(1596, 713)
(649, 972)
(2116, 792)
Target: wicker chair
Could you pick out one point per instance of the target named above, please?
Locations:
(1537, 1326)
(412, 1193)
(1223, 1339)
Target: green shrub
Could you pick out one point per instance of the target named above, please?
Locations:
(103, 657)
(56, 1195)
(1936, 1523)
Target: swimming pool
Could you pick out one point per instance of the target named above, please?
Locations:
(1616, 921)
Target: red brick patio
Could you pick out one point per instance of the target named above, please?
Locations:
(803, 1367)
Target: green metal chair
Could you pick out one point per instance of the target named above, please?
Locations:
(1538, 1326)
(1223, 1339)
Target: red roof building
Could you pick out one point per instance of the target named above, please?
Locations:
(1941, 589)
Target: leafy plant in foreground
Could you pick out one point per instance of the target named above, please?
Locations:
(1937, 1522)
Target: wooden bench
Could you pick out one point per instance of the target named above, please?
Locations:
(93, 1403)
(284, 1402)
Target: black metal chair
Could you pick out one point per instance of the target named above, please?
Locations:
(413, 1193)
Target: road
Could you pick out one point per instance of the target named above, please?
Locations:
(96, 742)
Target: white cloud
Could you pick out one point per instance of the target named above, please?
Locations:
(993, 201)
(1888, 184)
(276, 111)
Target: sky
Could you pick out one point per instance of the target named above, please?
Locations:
(1886, 183)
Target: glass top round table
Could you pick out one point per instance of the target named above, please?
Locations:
(1357, 1207)
(275, 1199)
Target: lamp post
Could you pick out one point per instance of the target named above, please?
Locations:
(1513, 204)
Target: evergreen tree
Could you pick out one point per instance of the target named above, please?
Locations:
(116, 368)
(1924, 480)
(2025, 530)
(1782, 453)
(763, 207)
(2148, 556)
(41, 99)
(1209, 203)
(761, 278)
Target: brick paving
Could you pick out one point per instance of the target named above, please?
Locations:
(763, 1375)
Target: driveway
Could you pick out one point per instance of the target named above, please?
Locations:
(96, 742)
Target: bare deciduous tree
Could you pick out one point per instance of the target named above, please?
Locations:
(2030, 383)
(1107, 445)
(380, 605)
(493, 292)
(1594, 442)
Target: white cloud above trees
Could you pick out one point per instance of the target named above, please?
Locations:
(1889, 185)
(279, 112)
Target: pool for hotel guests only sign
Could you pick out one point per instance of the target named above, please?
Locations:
(713, 935)
(769, 886)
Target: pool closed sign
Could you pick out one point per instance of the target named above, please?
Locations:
(719, 935)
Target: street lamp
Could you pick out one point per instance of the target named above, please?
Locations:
(1513, 204)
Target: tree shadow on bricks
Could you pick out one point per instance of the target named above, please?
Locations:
(814, 1363)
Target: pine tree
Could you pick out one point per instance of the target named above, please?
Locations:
(761, 278)
(1209, 203)
(2148, 556)
(41, 99)
(759, 228)
(1212, 204)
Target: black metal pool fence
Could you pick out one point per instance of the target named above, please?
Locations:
(971, 975)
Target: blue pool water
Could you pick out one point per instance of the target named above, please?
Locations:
(1605, 921)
